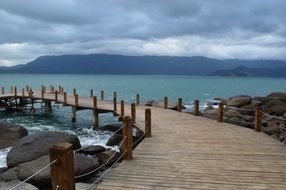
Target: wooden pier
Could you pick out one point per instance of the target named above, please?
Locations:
(188, 152)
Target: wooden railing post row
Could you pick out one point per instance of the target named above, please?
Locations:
(180, 104)
(137, 99)
(95, 124)
(133, 112)
(127, 135)
(148, 122)
(114, 101)
(165, 102)
(197, 107)
(122, 108)
(62, 171)
(258, 114)
(220, 112)
(3, 90)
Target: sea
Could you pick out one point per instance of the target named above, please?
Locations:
(149, 87)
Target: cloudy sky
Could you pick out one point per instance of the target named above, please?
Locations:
(244, 29)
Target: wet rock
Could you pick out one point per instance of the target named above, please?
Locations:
(92, 150)
(37, 145)
(10, 134)
(209, 107)
(112, 127)
(82, 165)
(114, 140)
(238, 101)
(2, 170)
(105, 156)
(10, 184)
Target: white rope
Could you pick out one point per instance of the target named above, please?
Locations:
(22, 182)
(106, 171)
(117, 130)
(79, 176)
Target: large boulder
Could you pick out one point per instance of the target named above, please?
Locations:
(114, 140)
(82, 165)
(279, 110)
(105, 157)
(267, 107)
(92, 150)
(240, 122)
(10, 184)
(238, 101)
(37, 145)
(113, 127)
(10, 134)
(281, 95)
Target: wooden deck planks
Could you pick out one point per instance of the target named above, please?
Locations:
(188, 152)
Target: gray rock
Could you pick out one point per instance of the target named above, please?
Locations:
(238, 101)
(2, 170)
(111, 127)
(240, 122)
(105, 156)
(82, 165)
(10, 134)
(92, 150)
(37, 145)
(281, 95)
(10, 184)
(114, 140)
(231, 113)
(254, 103)
(279, 110)
(284, 115)
(210, 114)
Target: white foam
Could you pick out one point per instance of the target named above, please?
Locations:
(3, 155)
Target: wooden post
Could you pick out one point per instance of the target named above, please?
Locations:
(114, 101)
(133, 112)
(122, 108)
(74, 91)
(180, 103)
(127, 135)
(73, 120)
(258, 119)
(62, 171)
(42, 94)
(165, 102)
(102, 95)
(94, 102)
(148, 122)
(197, 107)
(56, 96)
(3, 90)
(95, 124)
(30, 93)
(15, 90)
(91, 93)
(76, 100)
(137, 99)
(220, 112)
(65, 98)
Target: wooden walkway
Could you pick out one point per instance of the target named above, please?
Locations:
(189, 152)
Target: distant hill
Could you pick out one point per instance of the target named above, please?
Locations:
(243, 71)
(136, 65)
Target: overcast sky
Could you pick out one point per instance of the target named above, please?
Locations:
(244, 29)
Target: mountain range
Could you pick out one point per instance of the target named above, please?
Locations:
(149, 65)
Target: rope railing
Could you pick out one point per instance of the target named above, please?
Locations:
(141, 137)
(106, 171)
(24, 181)
(88, 173)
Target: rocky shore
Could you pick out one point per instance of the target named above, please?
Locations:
(240, 110)
(30, 153)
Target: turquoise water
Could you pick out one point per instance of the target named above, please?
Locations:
(127, 86)
(151, 87)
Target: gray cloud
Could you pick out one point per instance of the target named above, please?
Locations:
(246, 29)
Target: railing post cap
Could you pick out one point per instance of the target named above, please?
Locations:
(62, 147)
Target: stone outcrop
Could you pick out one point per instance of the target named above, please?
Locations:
(37, 145)
(10, 134)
